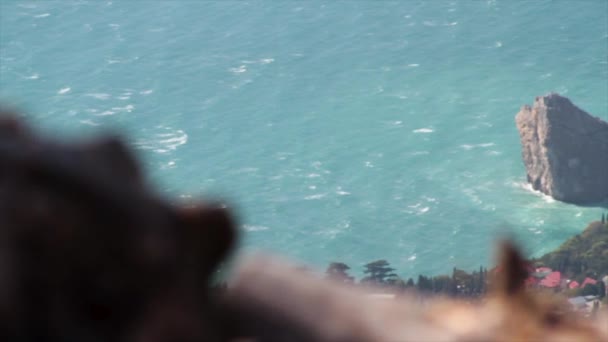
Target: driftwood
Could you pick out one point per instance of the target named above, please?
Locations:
(88, 252)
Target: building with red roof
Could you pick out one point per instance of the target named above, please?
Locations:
(588, 281)
(552, 280)
(574, 285)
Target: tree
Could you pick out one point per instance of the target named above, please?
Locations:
(379, 273)
(589, 290)
(338, 271)
(601, 287)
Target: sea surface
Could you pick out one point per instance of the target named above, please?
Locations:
(340, 131)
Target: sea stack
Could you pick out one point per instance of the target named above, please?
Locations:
(565, 150)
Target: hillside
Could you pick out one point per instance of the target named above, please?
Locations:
(582, 255)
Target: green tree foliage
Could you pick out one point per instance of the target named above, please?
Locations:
(586, 253)
(338, 271)
(379, 273)
(589, 290)
(601, 287)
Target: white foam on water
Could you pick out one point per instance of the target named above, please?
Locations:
(528, 187)
(498, 44)
(412, 257)
(239, 70)
(315, 197)
(64, 90)
(470, 146)
(128, 108)
(146, 92)
(32, 77)
(454, 23)
(43, 15)
(369, 164)
(420, 153)
(106, 113)
(413, 65)
(313, 175)
(423, 130)
(167, 140)
(99, 96)
(89, 122)
(429, 199)
(253, 228)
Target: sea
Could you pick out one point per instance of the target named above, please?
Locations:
(343, 131)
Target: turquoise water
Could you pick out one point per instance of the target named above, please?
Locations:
(345, 131)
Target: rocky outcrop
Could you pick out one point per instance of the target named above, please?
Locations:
(564, 149)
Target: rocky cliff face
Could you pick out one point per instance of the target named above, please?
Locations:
(565, 150)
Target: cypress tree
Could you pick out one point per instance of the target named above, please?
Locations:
(339, 271)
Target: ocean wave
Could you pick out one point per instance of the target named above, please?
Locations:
(167, 140)
(423, 130)
(106, 113)
(315, 197)
(417, 209)
(64, 90)
(252, 228)
(528, 187)
(241, 69)
(128, 108)
(470, 146)
(43, 15)
(89, 123)
(98, 96)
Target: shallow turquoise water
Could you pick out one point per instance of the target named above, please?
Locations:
(345, 131)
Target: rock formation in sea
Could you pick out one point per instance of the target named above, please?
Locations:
(564, 149)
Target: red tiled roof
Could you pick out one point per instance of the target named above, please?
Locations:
(588, 281)
(574, 284)
(551, 280)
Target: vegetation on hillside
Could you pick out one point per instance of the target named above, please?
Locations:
(584, 255)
